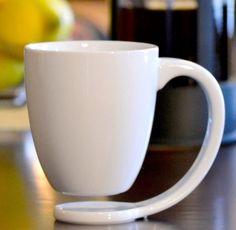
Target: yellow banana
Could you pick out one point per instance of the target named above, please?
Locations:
(27, 21)
(11, 72)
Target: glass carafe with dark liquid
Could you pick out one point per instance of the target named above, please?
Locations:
(202, 31)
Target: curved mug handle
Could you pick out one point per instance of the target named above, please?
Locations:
(169, 69)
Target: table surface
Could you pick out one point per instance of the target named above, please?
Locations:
(27, 200)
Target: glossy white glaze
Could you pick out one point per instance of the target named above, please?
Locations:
(91, 112)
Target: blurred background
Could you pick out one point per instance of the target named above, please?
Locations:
(197, 30)
(26, 21)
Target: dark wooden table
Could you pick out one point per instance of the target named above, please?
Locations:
(27, 200)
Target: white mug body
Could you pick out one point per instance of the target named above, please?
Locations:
(91, 106)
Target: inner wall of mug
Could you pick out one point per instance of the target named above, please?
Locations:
(90, 46)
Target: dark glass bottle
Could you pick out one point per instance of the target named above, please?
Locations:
(202, 31)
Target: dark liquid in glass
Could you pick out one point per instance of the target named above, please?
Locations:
(179, 33)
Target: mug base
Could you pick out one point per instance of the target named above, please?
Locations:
(95, 212)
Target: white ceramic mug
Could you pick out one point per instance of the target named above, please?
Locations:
(91, 106)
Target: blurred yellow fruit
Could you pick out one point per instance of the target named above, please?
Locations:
(27, 21)
(11, 72)
(59, 19)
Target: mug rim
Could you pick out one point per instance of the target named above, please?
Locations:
(90, 46)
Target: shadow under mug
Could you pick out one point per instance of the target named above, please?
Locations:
(91, 106)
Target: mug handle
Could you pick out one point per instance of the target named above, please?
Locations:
(169, 69)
